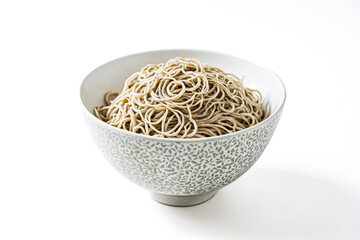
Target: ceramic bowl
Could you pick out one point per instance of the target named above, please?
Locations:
(181, 172)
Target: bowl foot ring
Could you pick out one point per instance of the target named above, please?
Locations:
(182, 201)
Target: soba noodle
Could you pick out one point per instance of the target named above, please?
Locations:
(182, 99)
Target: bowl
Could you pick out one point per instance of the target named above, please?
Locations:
(181, 172)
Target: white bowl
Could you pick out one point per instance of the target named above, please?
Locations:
(181, 172)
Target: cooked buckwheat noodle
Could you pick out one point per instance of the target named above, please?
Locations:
(182, 99)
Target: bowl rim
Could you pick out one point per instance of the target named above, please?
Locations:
(184, 140)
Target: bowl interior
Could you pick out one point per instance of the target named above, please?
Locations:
(111, 76)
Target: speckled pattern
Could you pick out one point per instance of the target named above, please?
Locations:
(182, 168)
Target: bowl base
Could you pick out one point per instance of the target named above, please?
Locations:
(182, 201)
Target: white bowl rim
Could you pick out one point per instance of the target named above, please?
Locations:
(184, 140)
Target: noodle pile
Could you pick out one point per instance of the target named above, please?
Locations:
(182, 99)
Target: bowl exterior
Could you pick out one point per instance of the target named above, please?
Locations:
(182, 168)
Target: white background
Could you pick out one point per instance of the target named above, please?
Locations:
(54, 183)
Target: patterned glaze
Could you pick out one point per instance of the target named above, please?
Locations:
(182, 168)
